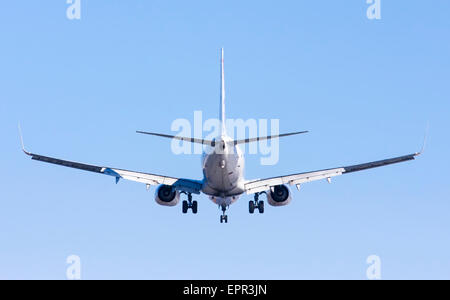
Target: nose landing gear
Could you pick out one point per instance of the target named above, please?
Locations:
(224, 217)
(189, 204)
(256, 204)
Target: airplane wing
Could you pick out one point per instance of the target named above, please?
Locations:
(186, 185)
(260, 185)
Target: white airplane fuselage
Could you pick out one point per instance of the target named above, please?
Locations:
(223, 171)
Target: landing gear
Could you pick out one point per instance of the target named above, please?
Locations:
(185, 207)
(189, 204)
(194, 207)
(251, 207)
(256, 204)
(261, 207)
(224, 217)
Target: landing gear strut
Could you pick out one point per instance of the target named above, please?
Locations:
(189, 204)
(256, 204)
(224, 217)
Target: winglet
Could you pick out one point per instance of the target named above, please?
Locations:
(21, 141)
(424, 141)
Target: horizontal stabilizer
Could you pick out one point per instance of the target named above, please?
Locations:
(181, 138)
(246, 141)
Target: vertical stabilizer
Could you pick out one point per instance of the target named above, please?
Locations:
(222, 96)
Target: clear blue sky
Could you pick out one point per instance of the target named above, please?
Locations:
(365, 89)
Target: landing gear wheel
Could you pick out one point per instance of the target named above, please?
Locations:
(194, 207)
(251, 207)
(185, 206)
(261, 207)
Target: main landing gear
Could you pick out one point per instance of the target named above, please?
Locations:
(256, 204)
(224, 217)
(189, 204)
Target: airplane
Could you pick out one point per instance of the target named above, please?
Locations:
(223, 171)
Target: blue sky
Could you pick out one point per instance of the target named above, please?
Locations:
(364, 88)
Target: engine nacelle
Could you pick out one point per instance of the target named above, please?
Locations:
(167, 195)
(279, 196)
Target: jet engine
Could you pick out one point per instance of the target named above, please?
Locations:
(279, 195)
(167, 195)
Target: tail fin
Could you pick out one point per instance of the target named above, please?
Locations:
(222, 96)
